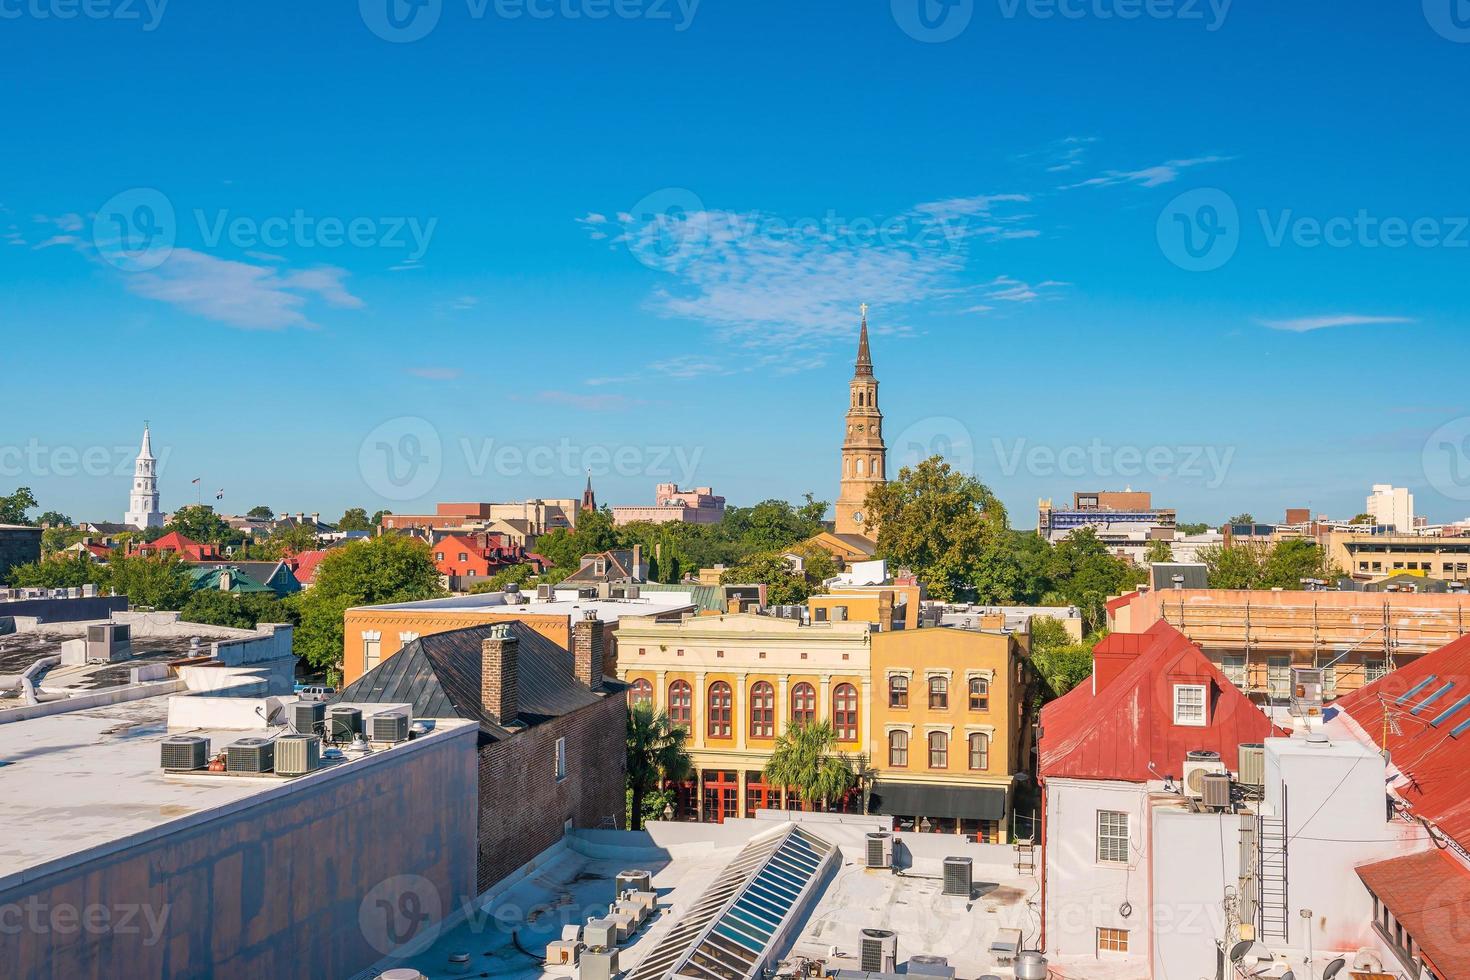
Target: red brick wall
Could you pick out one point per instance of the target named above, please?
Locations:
(523, 807)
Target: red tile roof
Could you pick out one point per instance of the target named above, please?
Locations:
(1429, 893)
(1436, 763)
(1128, 725)
(303, 566)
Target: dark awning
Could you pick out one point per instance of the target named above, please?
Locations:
(925, 800)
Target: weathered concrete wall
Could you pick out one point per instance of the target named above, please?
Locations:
(523, 807)
(286, 884)
(66, 610)
(18, 546)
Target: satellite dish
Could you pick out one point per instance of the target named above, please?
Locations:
(1240, 949)
(1246, 950)
(1289, 975)
(1334, 968)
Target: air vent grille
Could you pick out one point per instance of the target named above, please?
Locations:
(184, 753)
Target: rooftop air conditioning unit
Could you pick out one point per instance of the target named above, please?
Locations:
(343, 723)
(600, 933)
(632, 592)
(1215, 790)
(636, 880)
(250, 755)
(958, 876)
(389, 726)
(1253, 765)
(309, 717)
(1196, 764)
(185, 753)
(878, 951)
(545, 593)
(598, 963)
(879, 852)
(930, 966)
(297, 755)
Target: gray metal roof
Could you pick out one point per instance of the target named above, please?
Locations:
(440, 676)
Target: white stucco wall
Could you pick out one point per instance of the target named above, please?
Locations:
(1083, 894)
(1196, 857)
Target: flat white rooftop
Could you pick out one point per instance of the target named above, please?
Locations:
(507, 936)
(90, 779)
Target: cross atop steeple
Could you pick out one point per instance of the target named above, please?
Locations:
(864, 357)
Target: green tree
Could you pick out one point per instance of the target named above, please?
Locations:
(54, 518)
(218, 608)
(939, 522)
(261, 513)
(784, 585)
(58, 572)
(388, 568)
(1083, 571)
(288, 540)
(378, 516)
(1245, 518)
(199, 522)
(55, 539)
(1293, 560)
(657, 754)
(805, 758)
(1062, 662)
(1362, 519)
(355, 519)
(1197, 528)
(156, 581)
(13, 507)
(515, 574)
(1159, 550)
(1240, 566)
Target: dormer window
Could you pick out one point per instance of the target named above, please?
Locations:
(1189, 705)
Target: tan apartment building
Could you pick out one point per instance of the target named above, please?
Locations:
(1257, 636)
(932, 719)
(1375, 556)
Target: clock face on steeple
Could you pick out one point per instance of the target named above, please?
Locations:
(857, 516)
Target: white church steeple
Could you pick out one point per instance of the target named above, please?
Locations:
(143, 509)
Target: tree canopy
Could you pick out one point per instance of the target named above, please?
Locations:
(14, 506)
(389, 568)
(1255, 565)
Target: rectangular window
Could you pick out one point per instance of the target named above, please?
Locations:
(1112, 940)
(1112, 837)
(1374, 669)
(1232, 665)
(561, 759)
(1189, 704)
(1278, 677)
(372, 653)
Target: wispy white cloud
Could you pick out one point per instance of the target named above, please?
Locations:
(1008, 289)
(239, 294)
(1308, 323)
(762, 280)
(1163, 173)
(1060, 155)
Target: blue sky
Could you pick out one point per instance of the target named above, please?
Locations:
(337, 266)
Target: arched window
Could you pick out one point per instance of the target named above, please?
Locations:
(642, 692)
(803, 703)
(762, 711)
(873, 466)
(845, 712)
(939, 692)
(979, 694)
(681, 702)
(898, 749)
(860, 466)
(719, 710)
(898, 691)
(938, 750)
(979, 751)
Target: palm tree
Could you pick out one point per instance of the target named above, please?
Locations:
(656, 754)
(806, 759)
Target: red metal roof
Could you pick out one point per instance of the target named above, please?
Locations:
(1429, 893)
(1128, 725)
(304, 565)
(1436, 764)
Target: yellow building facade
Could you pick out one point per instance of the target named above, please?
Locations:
(737, 680)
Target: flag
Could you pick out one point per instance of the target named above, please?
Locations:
(219, 494)
(195, 481)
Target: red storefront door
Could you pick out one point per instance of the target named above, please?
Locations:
(759, 795)
(721, 796)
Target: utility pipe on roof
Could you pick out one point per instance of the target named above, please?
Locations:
(32, 674)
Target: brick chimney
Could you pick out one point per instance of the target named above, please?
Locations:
(499, 659)
(587, 642)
